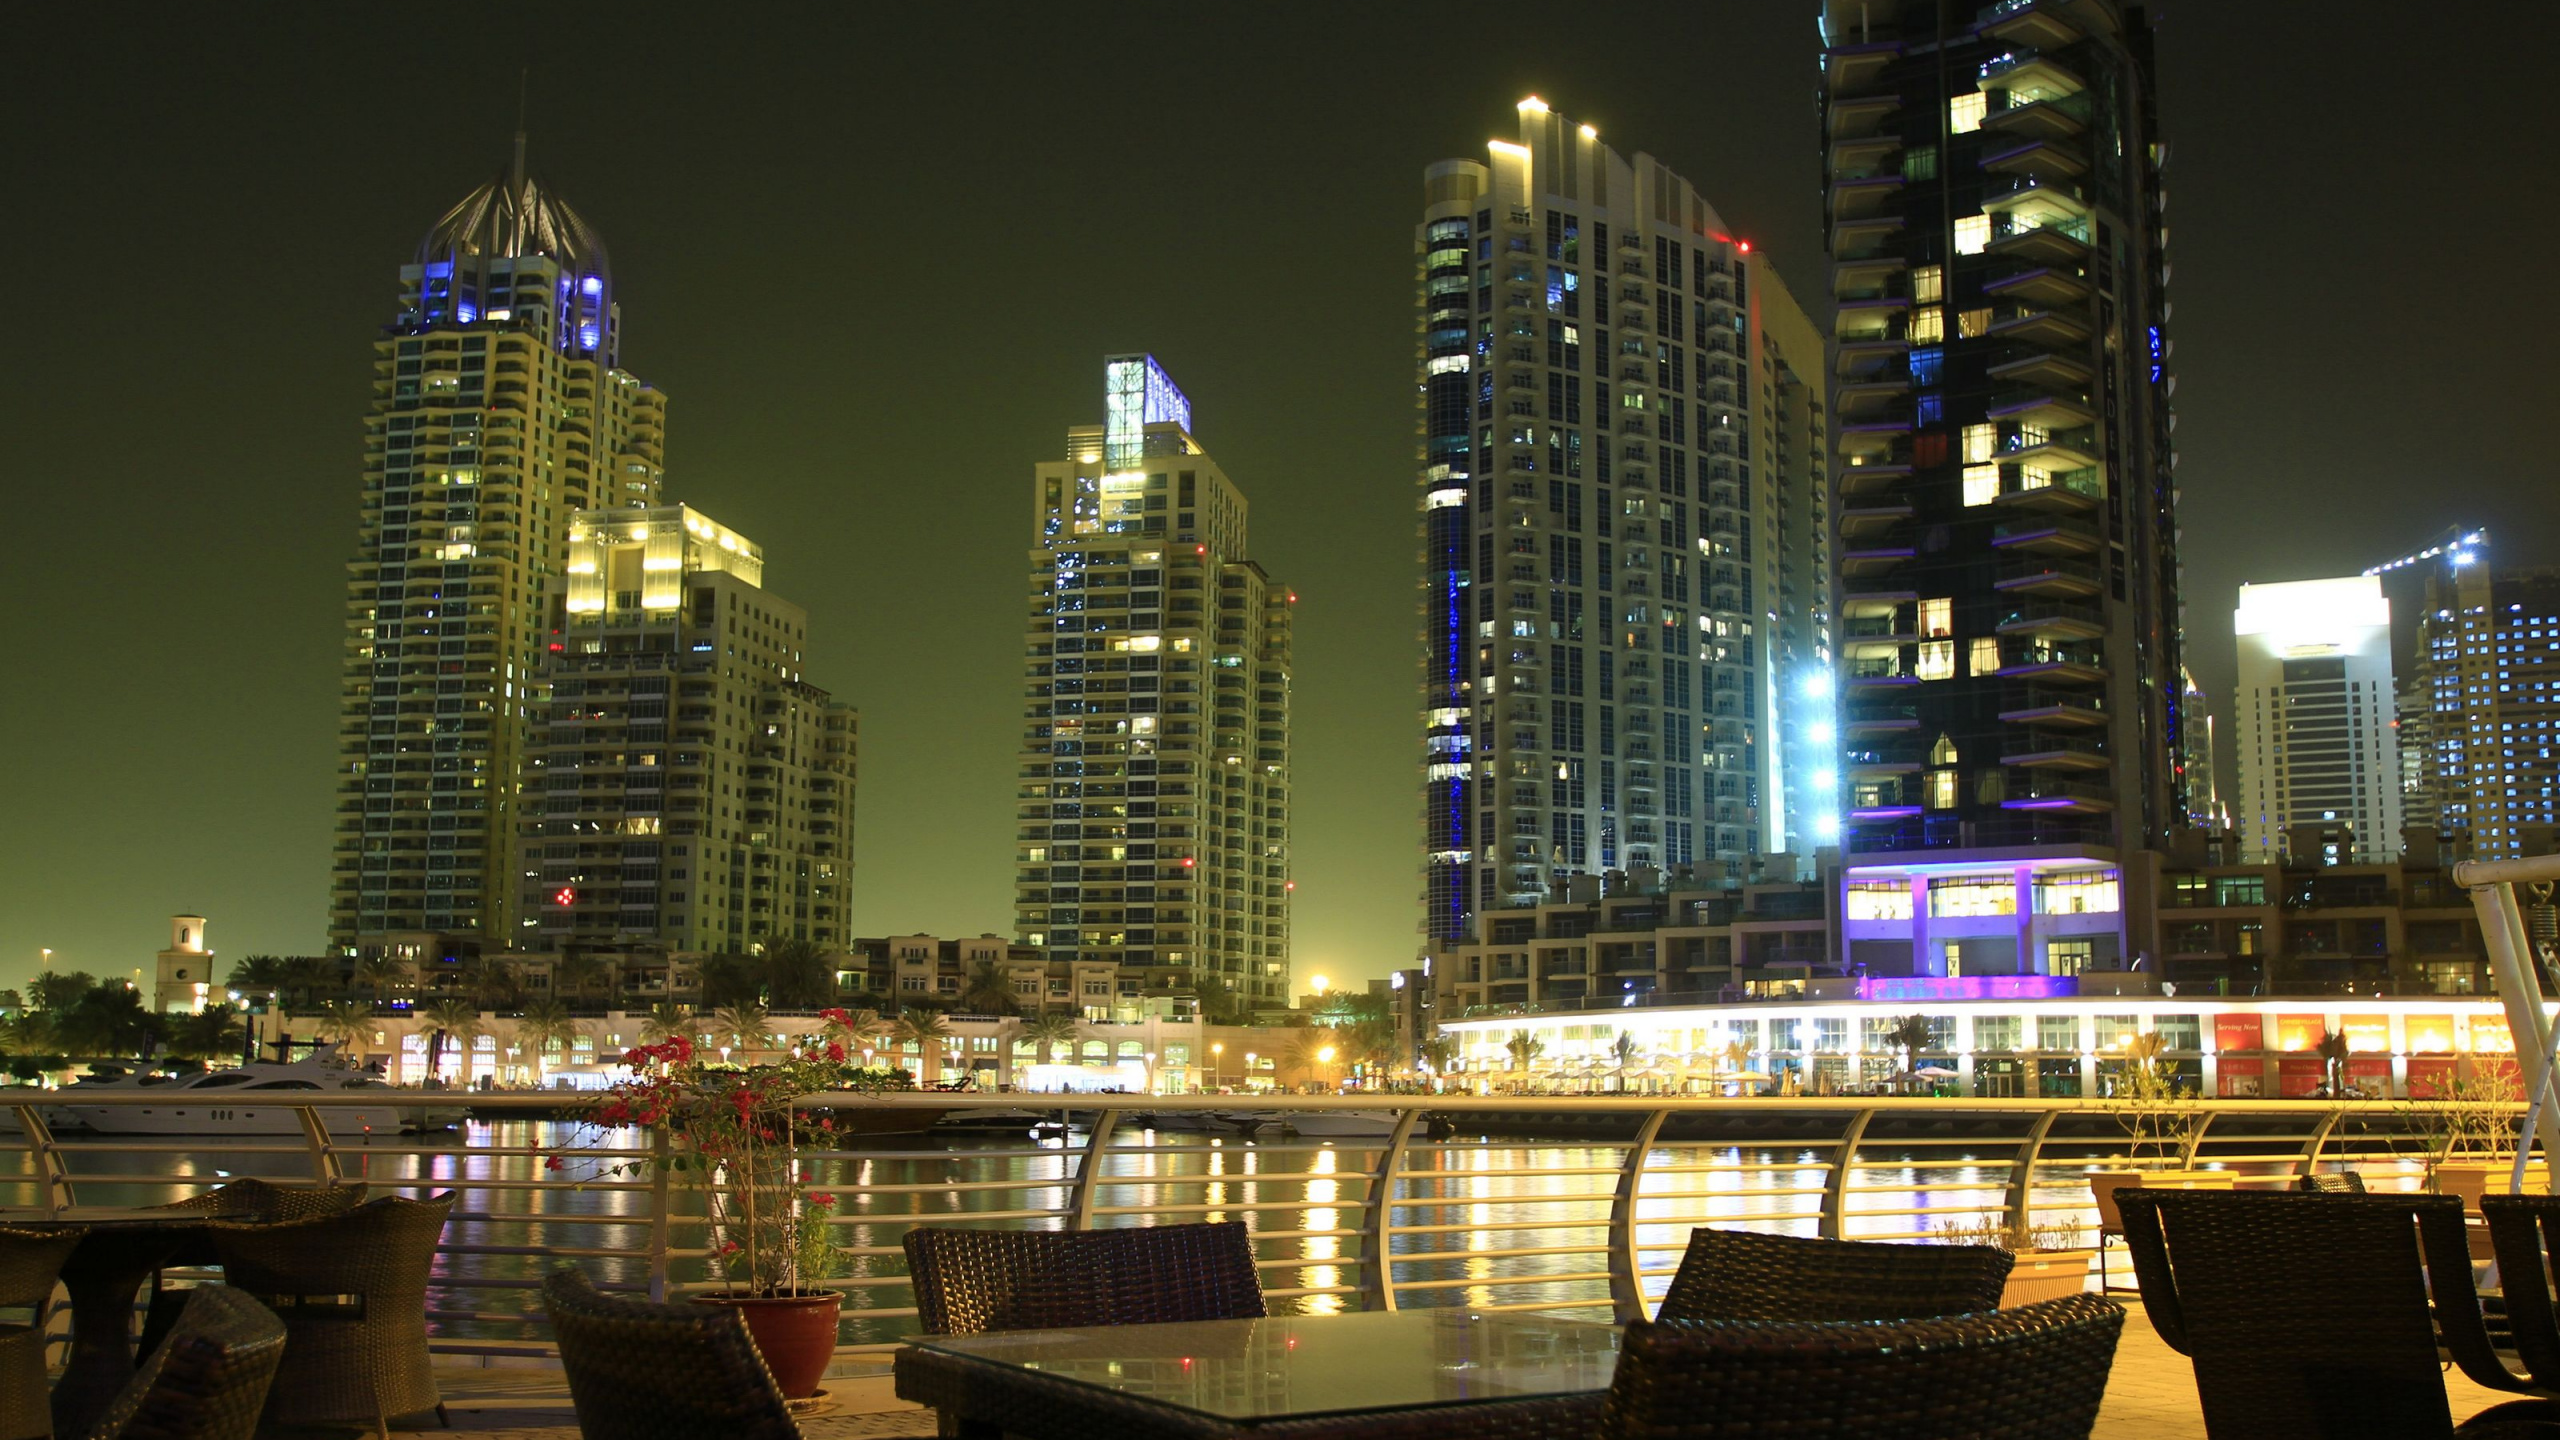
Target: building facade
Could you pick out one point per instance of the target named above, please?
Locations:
(2490, 644)
(1639, 938)
(2013, 710)
(2315, 711)
(1623, 515)
(500, 410)
(684, 783)
(1152, 826)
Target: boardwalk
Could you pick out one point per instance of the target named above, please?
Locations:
(2151, 1396)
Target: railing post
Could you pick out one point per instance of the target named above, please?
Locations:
(1080, 1200)
(1377, 1263)
(1626, 1275)
(1835, 1192)
(48, 1158)
(2318, 1142)
(2020, 1202)
(661, 1220)
(325, 1166)
(2195, 1140)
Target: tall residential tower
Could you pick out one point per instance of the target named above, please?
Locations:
(499, 411)
(2314, 707)
(1623, 516)
(1153, 824)
(2008, 574)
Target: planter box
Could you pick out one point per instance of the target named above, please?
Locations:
(2471, 1179)
(2042, 1275)
(2103, 1185)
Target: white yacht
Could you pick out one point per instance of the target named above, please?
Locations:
(251, 1099)
(1340, 1124)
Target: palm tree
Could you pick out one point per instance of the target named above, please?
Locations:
(1524, 1047)
(796, 976)
(1910, 1034)
(858, 1031)
(2333, 1056)
(378, 972)
(344, 1023)
(926, 1030)
(1439, 1052)
(542, 1024)
(988, 991)
(743, 1026)
(664, 1022)
(449, 1018)
(579, 973)
(1050, 1031)
(1624, 1050)
(213, 1033)
(250, 975)
(1313, 1048)
(490, 982)
(110, 1020)
(304, 977)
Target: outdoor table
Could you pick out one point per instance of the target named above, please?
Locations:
(1368, 1376)
(121, 1250)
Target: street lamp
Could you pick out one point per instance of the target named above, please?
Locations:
(1151, 1071)
(1217, 1063)
(1248, 1070)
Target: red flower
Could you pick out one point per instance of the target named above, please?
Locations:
(553, 1162)
(835, 1017)
(835, 1052)
(635, 1056)
(822, 1202)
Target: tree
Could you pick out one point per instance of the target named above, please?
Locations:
(1623, 1049)
(345, 1024)
(302, 978)
(580, 973)
(796, 974)
(213, 1033)
(110, 1020)
(378, 972)
(732, 980)
(1910, 1034)
(543, 1024)
(1049, 1032)
(1439, 1052)
(1312, 1049)
(988, 992)
(928, 1032)
(744, 1026)
(33, 1032)
(54, 992)
(448, 1019)
(1218, 1002)
(491, 982)
(2333, 1057)
(856, 1030)
(1523, 1047)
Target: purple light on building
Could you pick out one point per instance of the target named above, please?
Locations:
(1900, 988)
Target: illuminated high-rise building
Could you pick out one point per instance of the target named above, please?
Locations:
(1153, 822)
(1627, 637)
(2008, 567)
(2489, 643)
(685, 786)
(499, 411)
(2314, 712)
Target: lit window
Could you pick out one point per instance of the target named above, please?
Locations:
(1980, 441)
(1971, 324)
(1928, 284)
(1937, 660)
(1964, 113)
(1973, 234)
(1879, 900)
(1939, 793)
(1981, 484)
(1973, 895)
(1937, 618)
(1986, 655)
(1928, 325)
(2078, 892)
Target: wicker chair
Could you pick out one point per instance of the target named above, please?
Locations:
(357, 1360)
(639, 1371)
(249, 1196)
(968, 1282)
(209, 1381)
(2342, 1182)
(2033, 1373)
(2525, 1231)
(30, 1263)
(1744, 1275)
(2307, 1315)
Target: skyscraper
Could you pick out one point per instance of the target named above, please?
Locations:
(1623, 515)
(2007, 523)
(1153, 824)
(684, 786)
(2314, 712)
(499, 411)
(2490, 643)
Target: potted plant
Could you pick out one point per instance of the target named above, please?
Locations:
(2471, 1130)
(734, 1133)
(2160, 1120)
(2050, 1260)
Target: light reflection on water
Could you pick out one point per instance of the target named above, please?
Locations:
(1518, 1208)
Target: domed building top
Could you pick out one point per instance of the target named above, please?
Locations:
(467, 271)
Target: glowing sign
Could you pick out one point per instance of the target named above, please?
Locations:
(1968, 987)
(565, 896)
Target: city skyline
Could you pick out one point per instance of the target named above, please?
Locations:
(226, 577)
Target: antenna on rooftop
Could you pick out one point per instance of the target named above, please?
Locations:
(523, 80)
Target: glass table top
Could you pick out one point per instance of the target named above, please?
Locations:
(1308, 1365)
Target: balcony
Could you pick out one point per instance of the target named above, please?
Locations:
(2031, 203)
(1865, 196)
(2041, 706)
(1864, 157)
(1878, 765)
(2047, 160)
(2046, 117)
(1867, 520)
(1860, 481)
(1874, 718)
(2042, 411)
(1872, 397)
(1847, 68)
(1876, 554)
(1873, 356)
(2042, 288)
(2045, 537)
(2037, 24)
(2053, 664)
(1885, 673)
(1875, 442)
(2055, 620)
(2038, 750)
(2048, 793)
(2049, 578)
(2070, 491)
(2057, 328)
(2066, 373)
(1861, 116)
(2032, 74)
(1866, 238)
(2050, 451)
(2064, 244)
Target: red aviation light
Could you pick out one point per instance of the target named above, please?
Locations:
(565, 896)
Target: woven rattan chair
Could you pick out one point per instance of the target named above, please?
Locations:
(351, 1289)
(2341, 1182)
(1744, 1275)
(968, 1282)
(2525, 1230)
(2307, 1316)
(2033, 1373)
(209, 1380)
(639, 1371)
(30, 1263)
(250, 1196)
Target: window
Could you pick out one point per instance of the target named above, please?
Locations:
(1981, 484)
(2078, 892)
(2068, 957)
(1981, 442)
(1878, 900)
(1986, 656)
(1996, 1032)
(1964, 113)
(1973, 234)
(1928, 284)
(1973, 324)
(1939, 793)
(2058, 1032)
(1936, 661)
(1972, 894)
(1937, 618)
(1928, 325)
(1920, 163)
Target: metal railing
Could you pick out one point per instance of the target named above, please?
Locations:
(1509, 1203)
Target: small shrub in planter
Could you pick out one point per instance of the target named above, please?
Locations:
(2052, 1260)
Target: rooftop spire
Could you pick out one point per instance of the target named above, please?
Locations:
(515, 180)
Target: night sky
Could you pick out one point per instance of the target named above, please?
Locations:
(876, 271)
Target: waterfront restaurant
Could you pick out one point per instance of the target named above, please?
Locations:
(1997, 1036)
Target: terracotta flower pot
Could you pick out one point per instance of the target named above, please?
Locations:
(2041, 1275)
(795, 1333)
